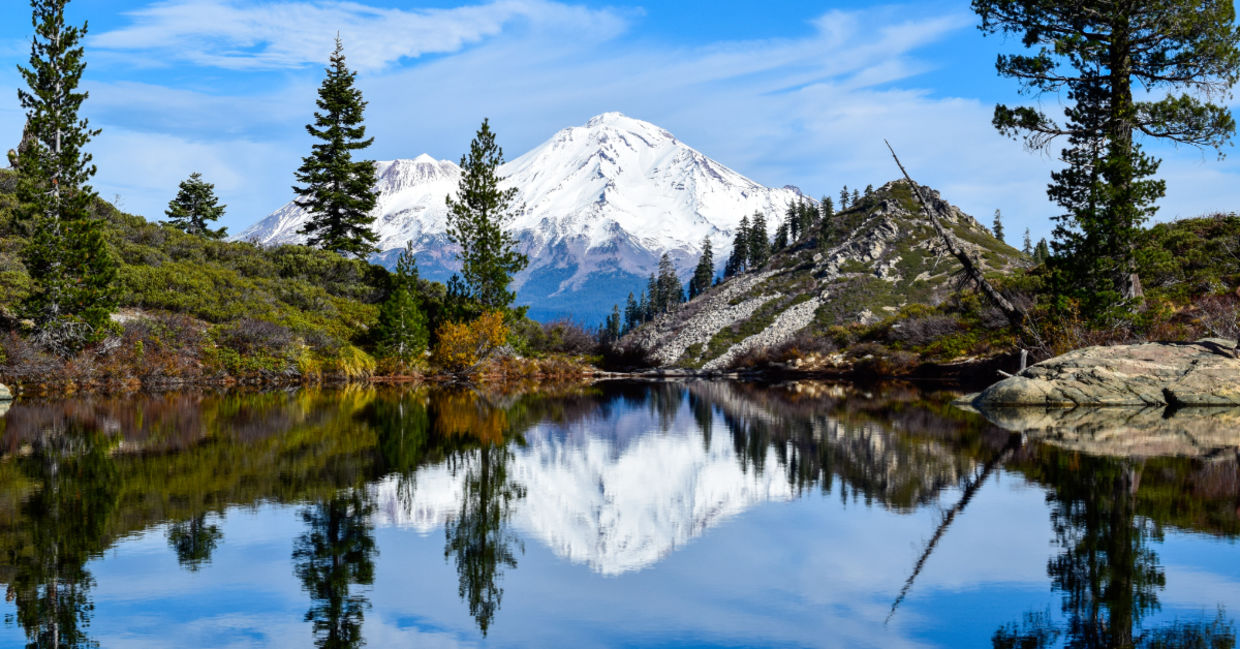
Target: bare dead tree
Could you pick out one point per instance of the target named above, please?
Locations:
(972, 274)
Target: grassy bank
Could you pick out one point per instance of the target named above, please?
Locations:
(201, 311)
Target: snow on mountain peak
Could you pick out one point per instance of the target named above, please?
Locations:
(604, 199)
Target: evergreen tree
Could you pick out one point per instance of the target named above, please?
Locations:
(656, 298)
(643, 309)
(759, 244)
(844, 195)
(998, 226)
(793, 222)
(738, 260)
(671, 292)
(1027, 248)
(1093, 53)
(869, 190)
(704, 271)
(609, 333)
(70, 266)
(826, 223)
(632, 314)
(477, 219)
(806, 215)
(856, 197)
(402, 330)
(338, 193)
(194, 207)
(1041, 252)
(781, 237)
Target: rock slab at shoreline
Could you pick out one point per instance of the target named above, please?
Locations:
(1201, 373)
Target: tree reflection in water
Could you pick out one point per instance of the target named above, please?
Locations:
(1106, 569)
(64, 519)
(479, 538)
(193, 541)
(335, 554)
(71, 490)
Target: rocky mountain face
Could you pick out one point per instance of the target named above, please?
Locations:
(879, 255)
(599, 204)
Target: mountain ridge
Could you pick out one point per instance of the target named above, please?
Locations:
(598, 205)
(877, 257)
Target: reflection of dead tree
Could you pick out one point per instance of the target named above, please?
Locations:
(971, 273)
(970, 490)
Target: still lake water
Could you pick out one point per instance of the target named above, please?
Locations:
(618, 515)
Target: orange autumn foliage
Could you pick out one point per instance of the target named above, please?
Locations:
(463, 345)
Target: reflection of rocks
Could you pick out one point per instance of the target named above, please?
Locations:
(1128, 432)
(1186, 374)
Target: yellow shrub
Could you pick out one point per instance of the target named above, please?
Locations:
(462, 345)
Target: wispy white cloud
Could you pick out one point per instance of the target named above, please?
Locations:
(285, 34)
(811, 110)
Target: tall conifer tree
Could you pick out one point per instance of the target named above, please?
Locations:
(759, 244)
(477, 222)
(338, 192)
(402, 329)
(70, 265)
(194, 207)
(738, 260)
(998, 226)
(704, 272)
(1094, 53)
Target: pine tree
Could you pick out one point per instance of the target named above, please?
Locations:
(632, 314)
(998, 226)
(1093, 53)
(844, 195)
(759, 244)
(856, 198)
(869, 190)
(806, 214)
(70, 266)
(1027, 248)
(781, 237)
(477, 221)
(792, 221)
(738, 260)
(643, 309)
(610, 332)
(826, 224)
(671, 292)
(704, 271)
(1041, 252)
(656, 298)
(194, 207)
(402, 330)
(338, 193)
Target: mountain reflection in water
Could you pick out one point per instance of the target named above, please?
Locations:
(616, 478)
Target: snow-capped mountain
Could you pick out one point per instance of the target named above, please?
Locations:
(599, 204)
(592, 499)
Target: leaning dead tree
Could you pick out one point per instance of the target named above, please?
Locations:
(970, 489)
(973, 274)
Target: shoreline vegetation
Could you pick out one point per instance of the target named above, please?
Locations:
(95, 299)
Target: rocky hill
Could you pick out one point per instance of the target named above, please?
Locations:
(881, 254)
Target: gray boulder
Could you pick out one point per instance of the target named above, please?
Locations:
(5, 394)
(1202, 373)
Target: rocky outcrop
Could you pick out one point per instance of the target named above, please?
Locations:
(1150, 431)
(1202, 373)
(879, 254)
(5, 393)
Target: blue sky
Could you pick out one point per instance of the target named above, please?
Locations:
(798, 93)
